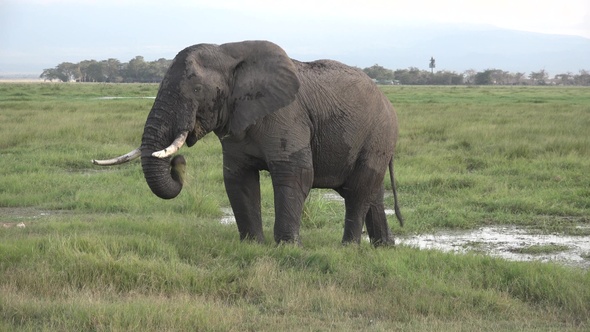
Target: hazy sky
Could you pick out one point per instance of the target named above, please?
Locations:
(37, 34)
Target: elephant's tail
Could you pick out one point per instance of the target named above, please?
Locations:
(398, 213)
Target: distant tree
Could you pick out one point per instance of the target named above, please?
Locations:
(500, 77)
(157, 69)
(583, 78)
(564, 79)
(379, 73)
(112, 70)
(432, 64)
(483, 78)
(469, 76)
(93, 71)
(518, 78)
(65, 72)
(540, 77)
(413, 76)
(457, 79)
(137, 70)
(50, 74)
(446, 78)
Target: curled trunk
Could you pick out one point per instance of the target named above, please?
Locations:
(162, 176)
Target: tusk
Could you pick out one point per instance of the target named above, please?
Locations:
(119, 160)
(175, 146)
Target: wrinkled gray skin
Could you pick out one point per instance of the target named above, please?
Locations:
(311, 125)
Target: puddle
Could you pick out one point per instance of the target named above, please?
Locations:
(21, 216)
(112, 98)
(228, 217)
(332, 196)
(508, 242)
(22, 213)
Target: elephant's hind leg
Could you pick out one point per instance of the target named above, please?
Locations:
(363, 197)
(353, 221)
(376, 223)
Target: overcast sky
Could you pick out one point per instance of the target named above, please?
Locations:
(38, 34)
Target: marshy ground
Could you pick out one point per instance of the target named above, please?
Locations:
(493, 184)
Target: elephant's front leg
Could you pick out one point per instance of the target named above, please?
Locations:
(243, 190)
(291, 184)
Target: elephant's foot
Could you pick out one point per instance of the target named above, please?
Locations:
(388, 242)
(295, 241)
(353, 228)
(259, 238)
(350, 243)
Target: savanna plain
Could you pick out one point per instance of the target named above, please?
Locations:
(88, 248)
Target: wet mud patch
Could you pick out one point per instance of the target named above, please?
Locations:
(22, 216)
(516, 243)
(509, 242)
(228, 217)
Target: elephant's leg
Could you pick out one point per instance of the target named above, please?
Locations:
(356, 210)
(376, 222)
(291, 184)
(243, 191)
(360, 192)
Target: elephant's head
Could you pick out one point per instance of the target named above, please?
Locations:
(208, 88)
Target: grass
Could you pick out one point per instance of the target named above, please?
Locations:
(541, 249)
(99, 252)
(496, 155)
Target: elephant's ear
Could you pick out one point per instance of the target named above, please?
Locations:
(264, 78)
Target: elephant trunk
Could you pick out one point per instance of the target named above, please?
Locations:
(163, 174)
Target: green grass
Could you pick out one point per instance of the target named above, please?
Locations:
(493, 154)
(99, 252)
(541, 249)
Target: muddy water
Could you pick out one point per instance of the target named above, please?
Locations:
(508, 242)
(228, 217)
(11, 216)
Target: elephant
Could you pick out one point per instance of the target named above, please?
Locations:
(319, 124)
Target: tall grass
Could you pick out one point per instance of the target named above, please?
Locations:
(100, 252)
(493, 154)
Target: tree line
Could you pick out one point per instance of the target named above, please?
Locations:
(139, 70)
(415, 76)
(111, 70)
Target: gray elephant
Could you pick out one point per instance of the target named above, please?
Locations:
(316, 124)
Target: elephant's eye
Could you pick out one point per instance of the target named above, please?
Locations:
(198, 88)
